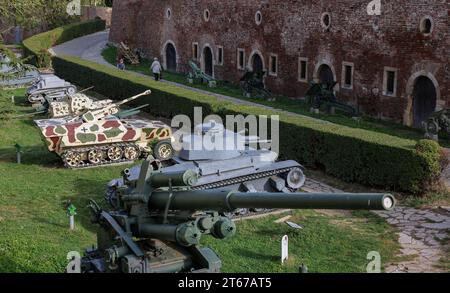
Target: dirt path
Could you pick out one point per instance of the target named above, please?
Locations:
(423, 234)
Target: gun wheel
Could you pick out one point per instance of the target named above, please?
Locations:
(72, 159)
(163, 151)
(432, 127)
(95, 156)
(114, 153)
(131, 153)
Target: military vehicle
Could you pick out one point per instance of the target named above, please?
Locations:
(98, 138)
(322, 94)
(237, 165)
(17, 76)
(252, 84)
(160, 220)
(438, 121)
(77, 105)
(51, 88)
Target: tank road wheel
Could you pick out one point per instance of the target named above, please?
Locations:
(71, 91)
(95, 156)
(72, 159)
(163, 151)
(115, 153)
(131, 153)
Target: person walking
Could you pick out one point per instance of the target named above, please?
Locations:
(121, 64)
(156, 69)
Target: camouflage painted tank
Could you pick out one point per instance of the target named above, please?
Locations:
(99, 138)
(51, 88)
(245, 169)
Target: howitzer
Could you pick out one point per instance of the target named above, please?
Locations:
(159, 221)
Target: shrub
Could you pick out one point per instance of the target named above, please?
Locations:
(38, 45)
(351, 154)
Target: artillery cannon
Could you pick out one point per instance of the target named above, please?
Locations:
(252, 83)
(197, 74)
(159, 222)
(438, 121)
(322, 94)
(103, 137)
(128, 54)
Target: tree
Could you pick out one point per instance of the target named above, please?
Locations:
(28, 14)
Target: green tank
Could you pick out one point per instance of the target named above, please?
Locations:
(159, 221)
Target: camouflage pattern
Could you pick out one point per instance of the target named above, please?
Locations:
(98, 138)
(77, 105)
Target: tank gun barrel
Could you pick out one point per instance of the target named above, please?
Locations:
(146, 93)
(229, 201)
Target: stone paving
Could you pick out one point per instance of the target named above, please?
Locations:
(423, 233)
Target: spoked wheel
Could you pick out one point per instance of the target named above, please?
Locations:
(72, 159)
(131, 153)
(163, 151)
(95, 156)
(115, 153)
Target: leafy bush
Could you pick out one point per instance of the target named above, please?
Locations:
(38, 45)
(354, 155)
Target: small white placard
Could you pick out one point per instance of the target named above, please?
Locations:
(284, 248)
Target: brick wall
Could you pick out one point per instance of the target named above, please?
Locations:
(292, 29)
(91, 12)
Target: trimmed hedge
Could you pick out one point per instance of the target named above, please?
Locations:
(38, 45)
(354, 155)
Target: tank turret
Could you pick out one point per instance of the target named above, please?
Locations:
(159, 222)
(49, 88)
(237, 165)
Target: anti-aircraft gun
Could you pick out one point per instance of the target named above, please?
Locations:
(159, 222)
(104, 137)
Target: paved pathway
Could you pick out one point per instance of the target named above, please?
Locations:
(423, 234)
(90, 48)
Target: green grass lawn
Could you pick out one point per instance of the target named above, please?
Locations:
(34, 226)
(284, 103)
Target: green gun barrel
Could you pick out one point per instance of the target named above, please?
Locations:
(229, 201)
(182, 178)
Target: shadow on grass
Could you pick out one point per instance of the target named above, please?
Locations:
(31, 155)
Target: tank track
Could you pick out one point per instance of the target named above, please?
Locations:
(242, 179)
(104, 162)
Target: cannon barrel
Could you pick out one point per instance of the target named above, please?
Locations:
(229, 201)
(146, 93)
(182, 178)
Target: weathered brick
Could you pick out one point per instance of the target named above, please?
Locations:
(292, 29)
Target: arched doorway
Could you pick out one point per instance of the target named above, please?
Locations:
(171, 58)
(208, 61)
(424, 100)
(257, 63)
(325, 74)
